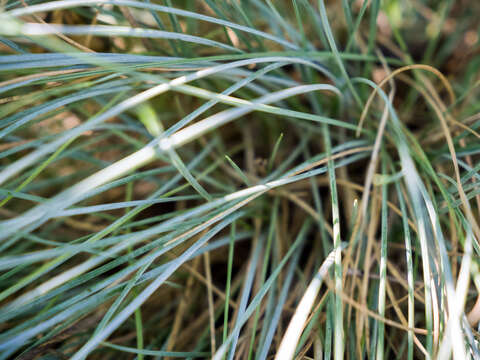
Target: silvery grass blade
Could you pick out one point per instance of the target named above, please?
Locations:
(40, 214)
(63, 4)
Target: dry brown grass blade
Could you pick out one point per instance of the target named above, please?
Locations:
(60, 35)
(211, 310)
(394, 73)
(182, 309)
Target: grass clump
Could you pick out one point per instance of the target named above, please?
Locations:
(239, 179)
